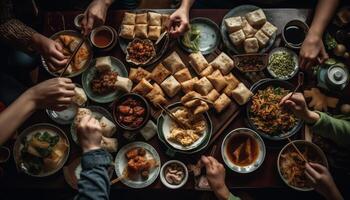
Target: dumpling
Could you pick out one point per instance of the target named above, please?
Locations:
(108, 128)
(141, 31)
(207, 71)
(171, 86)
(137, 74)
(165, 21)
(127, 31)
(203, 86)
(233, 24)
(232, 83)
(129, 18)
(160, 73)
(222, 102)
(155, 19)
(213, 95)
(241, 94)
(187, 86)
(218, 80)
(81, 113)
(251, 45)
(103, 63)
(223, 62)
(143, 87)
(269, 29)
(159, 99)
(237, 38)
(80, 58)
(123, 84)
(154, 32)
(203, 107)
(66, 39)
(248, 30)
(198, 62)
(173, 62)
(109, 144)
(189, 96)
(154, 92)
(183, 75)
(262, 38)
(80, 97)
(256, 18)
(141, 18)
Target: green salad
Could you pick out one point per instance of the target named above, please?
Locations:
(191, 38)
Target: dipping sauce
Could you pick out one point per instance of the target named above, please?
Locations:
(103, 38)
(294, 35)
(242, 150)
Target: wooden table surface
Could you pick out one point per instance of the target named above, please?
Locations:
(265, 177)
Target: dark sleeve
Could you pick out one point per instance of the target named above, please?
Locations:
(13, 31)
(94, 180)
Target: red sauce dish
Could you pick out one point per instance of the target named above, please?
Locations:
(102, 37)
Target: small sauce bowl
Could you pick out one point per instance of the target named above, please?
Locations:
(102, 37)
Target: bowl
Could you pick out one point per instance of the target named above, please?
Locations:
(163, 176)
(299, 143)
(77, 20)
(135, 96)
(294, 57)
(259, 147)
(102, 37)
(135, 62)
(251, 62)
(296, 23)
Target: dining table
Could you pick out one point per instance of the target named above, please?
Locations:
(266, 176)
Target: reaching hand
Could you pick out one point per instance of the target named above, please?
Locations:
(179, 22)
(298, 106)
(54, 94)
(89, 134)
(95, 15)
(322, 181)
(216, 177)
(312, 51)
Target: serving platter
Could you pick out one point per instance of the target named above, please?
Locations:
(241, 11)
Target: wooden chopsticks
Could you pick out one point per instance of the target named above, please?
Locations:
(173, 117)
(82, 41)
(297, 149)
(300, 83)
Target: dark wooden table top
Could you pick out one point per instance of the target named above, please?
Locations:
(265, 177)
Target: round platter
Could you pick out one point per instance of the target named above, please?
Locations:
(263, 84)
(121, 164)
(29, 132)
(209, 35)
(87, 44)
(241, 11)
(295, 59)
(89, 74)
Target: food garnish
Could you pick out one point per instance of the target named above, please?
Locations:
(191, 38)
(282, 64)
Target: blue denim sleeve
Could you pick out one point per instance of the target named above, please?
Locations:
(94, 180)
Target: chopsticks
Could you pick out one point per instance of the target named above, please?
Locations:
(161, 37)
(173, 117)
(114, 181)
(82, 41)
(297, 149)
(300, 83)
(213, 150)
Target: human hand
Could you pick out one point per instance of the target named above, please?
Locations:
(322, 181)
(50, 50)
(179, 22)
(312, 51)
(216, 177)
(89, 133)
(55, 94)
(298, 106)
(95, 15)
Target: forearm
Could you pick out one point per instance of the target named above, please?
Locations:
(334, 195)
(186, 4)
(13, 116)
(323, 14)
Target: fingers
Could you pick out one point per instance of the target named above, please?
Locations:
(84, 23)
(323, 56)
(318, 167)
(56, 52)
(312, 172)
(89, 25)
(310, 177)
(64, 100)
(57, 63)
(285, 98)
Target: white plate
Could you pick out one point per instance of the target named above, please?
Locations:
(121, 164)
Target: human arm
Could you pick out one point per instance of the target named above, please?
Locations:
(179, 20)
(54, 94)
(312, 50)
(216, 178)
(95, 15)
(322, 181)
(94, 179)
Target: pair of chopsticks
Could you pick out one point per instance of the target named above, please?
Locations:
(297, 149)
(173, 117)
(82, 41)
(300, 83)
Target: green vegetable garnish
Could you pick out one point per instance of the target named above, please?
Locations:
(282, 64)
(191, 38)
(329, 41)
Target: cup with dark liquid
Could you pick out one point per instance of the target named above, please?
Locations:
(294, 33)
(102, 37)
(5, 154)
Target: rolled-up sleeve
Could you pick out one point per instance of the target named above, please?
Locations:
(94, 180)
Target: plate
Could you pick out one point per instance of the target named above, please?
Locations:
(121, 163)
(295, 59)
(97, 112)
(262, 84)
(51, 129)
(258, 161)
(163, 127)
(209, 35)
(88, 45)
(241, 11)
(65, 116)
(89, 74)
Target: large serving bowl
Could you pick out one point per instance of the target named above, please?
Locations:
(312, 149)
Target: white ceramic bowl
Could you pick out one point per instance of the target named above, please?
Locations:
(165, 182)
(101, 28)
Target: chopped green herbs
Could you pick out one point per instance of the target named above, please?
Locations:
(282, 64)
